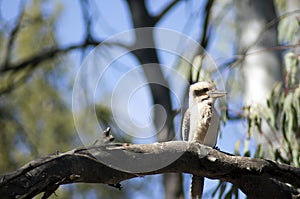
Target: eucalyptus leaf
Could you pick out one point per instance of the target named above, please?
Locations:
(222, 190)
(237, 147)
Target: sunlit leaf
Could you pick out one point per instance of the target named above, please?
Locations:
(237, 147)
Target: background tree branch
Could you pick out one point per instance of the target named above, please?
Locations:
(251, 175)
(158, 17)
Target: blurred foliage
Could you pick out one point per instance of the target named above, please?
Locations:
(282, 116)
(278, 122)
(34, 117)
(104, 115)
(35, 120)
(288, 26)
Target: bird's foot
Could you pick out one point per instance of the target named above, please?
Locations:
(217, 148)
(107, 138)
(117, 186)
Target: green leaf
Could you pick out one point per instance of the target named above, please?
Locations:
(282, 122)
(217, 188)
(268, 103)
(228, 194)
(222, 189)
(296, 154)
(237, 147)
(247, 153)
(259, 153)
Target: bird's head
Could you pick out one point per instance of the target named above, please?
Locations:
(202, 91)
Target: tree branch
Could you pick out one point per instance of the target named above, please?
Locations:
(205, 34)
(13, 34)
(158, 17)
(31, 63)
(255, 177)
(43, 56)
(50, 53)
(206, 29)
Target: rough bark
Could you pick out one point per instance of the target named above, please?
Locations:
(257, 178)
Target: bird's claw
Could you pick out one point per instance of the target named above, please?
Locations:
(217, 148)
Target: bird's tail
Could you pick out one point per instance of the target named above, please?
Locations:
(197, 187)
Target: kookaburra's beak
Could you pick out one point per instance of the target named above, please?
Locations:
(216, 94)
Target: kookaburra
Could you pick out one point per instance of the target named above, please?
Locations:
(201, 123)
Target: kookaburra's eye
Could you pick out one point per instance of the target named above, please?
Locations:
(204, 90)
(197, 92)
(200, 92)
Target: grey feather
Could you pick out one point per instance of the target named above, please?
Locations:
(186, 125)
(197, 181)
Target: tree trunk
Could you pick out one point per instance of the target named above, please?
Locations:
(261, 69)
(160, 91)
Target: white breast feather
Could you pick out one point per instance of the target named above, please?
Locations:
(212, 133)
